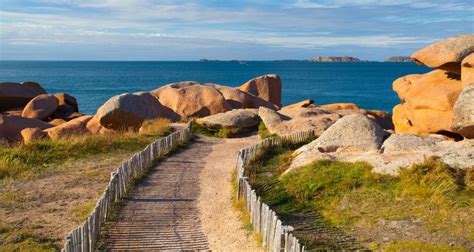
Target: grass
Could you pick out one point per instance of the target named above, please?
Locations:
(28, 161)
(220, 133)
(82, 211)
(350, 198)
(23, 240)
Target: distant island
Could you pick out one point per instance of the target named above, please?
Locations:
(399, 59)
(336, 59)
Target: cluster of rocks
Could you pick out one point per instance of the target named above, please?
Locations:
(436, 109)
(357, 138)
(440, 101)
(29, 113)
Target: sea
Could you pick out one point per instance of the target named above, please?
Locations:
(367, 84)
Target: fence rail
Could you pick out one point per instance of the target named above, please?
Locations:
(84, 238)
(276, 237)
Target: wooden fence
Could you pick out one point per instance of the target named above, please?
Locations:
(84, 238)
(276, 237)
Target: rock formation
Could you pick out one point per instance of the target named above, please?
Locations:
(16, 95)
(428, 100)
(30, 107)
(40, 107)
(128, 111)
(267, 87)
(446, 54)
(234, 119)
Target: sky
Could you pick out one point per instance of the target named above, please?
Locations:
(225, 30)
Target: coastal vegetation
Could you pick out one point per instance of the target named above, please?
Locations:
(50, 186)
(358, 208)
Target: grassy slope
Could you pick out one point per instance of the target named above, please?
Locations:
(36, 210)
(434, 200)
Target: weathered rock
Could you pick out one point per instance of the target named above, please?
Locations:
(350, 133)
(446, 54)
(128, 111)
(398, 152)
(467, 70)
(463, 118)
(11, 126)
(67, 105)
(234, 119)
(340, 106)
(30, 135)
(40, 107)
(239, 99)
(301, 104)
(428, 102)
(73, 128)
(15, 95)
(191, 99)
(397, 143)
(290, 121)
(267, 87)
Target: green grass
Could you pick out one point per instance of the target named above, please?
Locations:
(38, 158)
(349, 195)
(81, 212)
(24, 240)
(220, 133)
(420, 246)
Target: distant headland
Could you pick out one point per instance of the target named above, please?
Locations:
(336, 59)
(324, 59)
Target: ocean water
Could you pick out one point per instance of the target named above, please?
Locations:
(369, 85)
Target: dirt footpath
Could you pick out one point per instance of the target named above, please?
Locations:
(220, 221)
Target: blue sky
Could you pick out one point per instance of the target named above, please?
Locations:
(246, 30)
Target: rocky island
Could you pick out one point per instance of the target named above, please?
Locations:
(399, 59)
(336, 59)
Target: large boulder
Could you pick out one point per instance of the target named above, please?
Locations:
(446, 54)
(73, 128)
(128, 111)
(191, 99)
(11, 126)
(234, 119)
(30, 135)
(16, 95)
(67, 105)
(239, 99)
(427, 102)
(267, 87)
(467, 70)
(41, 107)
(463, 118)
(290, 121)
(353, 133)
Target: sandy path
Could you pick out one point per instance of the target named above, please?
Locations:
(220, 221)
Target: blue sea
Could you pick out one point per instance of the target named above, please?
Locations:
(369, 85)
